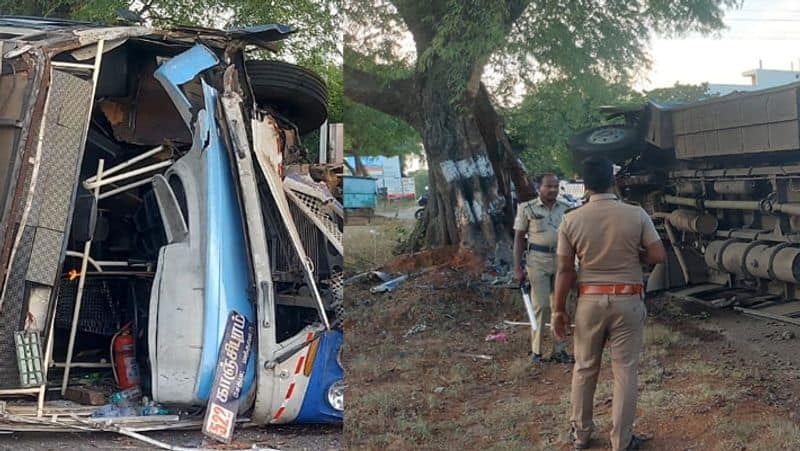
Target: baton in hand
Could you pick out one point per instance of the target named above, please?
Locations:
(526, 299)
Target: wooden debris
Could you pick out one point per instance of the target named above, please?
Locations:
(85, 396)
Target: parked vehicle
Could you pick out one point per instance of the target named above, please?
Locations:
(720, 177)
(422, 202)
(152, 200)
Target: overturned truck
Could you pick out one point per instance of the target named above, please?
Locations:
(155, 197)
(721, 178)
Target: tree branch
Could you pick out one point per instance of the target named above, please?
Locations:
(414, 13)
(498, 146)
(515, 9)
(395, 98)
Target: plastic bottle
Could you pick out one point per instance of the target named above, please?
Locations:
(154, 410)
(106, 411)
(127, 397)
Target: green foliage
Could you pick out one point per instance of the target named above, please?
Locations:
(333, 76)
(316, 45)
(370, 132)
(420, 181)
(523, 39)
(553, 111)
(679, 93)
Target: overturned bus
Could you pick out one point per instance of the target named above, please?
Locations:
(721, 178)
(154, 188)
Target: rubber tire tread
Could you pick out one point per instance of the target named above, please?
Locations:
(295, 92)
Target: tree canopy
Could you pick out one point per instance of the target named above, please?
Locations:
(679, 93)
(522, 39)
(424, 62)
(318, 20)
(317, 44)
(554, 110)
(370, 132)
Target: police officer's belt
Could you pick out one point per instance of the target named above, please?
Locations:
(540, 248)
(620, 288)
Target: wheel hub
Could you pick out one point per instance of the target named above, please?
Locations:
(606, 136)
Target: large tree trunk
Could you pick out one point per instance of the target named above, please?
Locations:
(470, 161)
(466, 204)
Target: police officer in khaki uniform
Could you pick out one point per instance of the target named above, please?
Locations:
(539, 219)
(611, 240)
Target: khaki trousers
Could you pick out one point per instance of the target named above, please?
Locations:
(618, 320)
(542, 292)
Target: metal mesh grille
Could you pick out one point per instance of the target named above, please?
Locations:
(336, 284)
(319, 214)
(284, 257)
(100, 312)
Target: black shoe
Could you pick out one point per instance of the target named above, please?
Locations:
(635, 443)
(537, 359)
(573, 435)
(579, 445)
(562, 357)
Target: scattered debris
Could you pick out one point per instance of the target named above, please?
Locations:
(85, 395)
(724, 302)
(500, 326)
(503, 254)
(389, 285)
(421, 327)
(497, 336)
(752, 312)
(438, 389)
(379, 275)
(476, 356)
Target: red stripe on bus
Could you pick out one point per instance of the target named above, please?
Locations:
(290, 391)
(299, 364)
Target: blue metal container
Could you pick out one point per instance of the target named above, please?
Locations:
(359, 192)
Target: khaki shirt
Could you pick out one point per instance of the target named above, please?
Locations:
(541, 224)
(607, 235)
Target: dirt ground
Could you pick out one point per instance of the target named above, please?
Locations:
(292, 437)
(421, 375)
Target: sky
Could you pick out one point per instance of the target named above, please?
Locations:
(765, 30)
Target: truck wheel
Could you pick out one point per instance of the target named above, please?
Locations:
(418, 214)
(613, 141)
(295, 93)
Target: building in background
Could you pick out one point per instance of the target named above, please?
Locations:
(759, 79)
(386, 171)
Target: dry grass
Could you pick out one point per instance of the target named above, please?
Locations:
(661, 336)
(519, 368)
(419, 392)
(370, 246)
(763, 434)
(699, 368)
